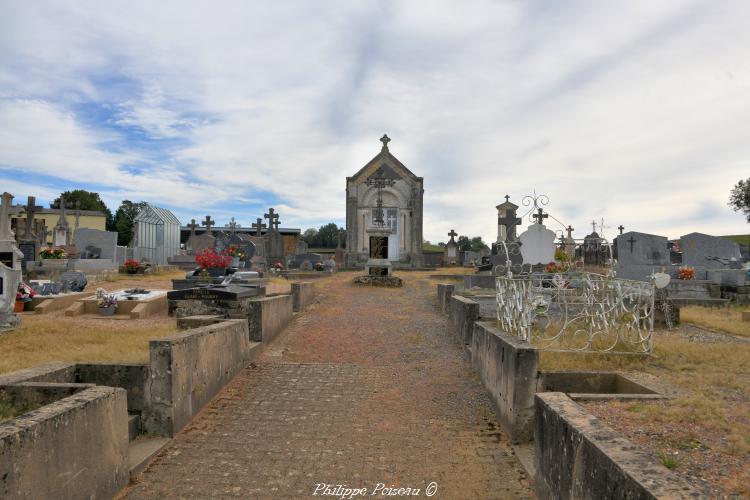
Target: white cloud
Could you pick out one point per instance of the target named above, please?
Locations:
(634, 111)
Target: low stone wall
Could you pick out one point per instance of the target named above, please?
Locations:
(268, 316)
(508, 369)
(42, 304)
(577, 456)
(444, 293)
(188, 369)
(73, 448)
(302, 295)
(131, 377)
(464, 312)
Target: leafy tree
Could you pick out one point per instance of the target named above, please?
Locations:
(474, 244)
(739, 198)
(325, 237)
(88, 200)
(124, 220)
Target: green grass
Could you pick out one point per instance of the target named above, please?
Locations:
(432, 248)
(8, 410)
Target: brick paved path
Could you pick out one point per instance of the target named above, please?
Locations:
(366, 387)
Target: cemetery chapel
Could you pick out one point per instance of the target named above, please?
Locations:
(384, 200)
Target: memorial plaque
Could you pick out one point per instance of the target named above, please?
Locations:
(7, 259)
(28, 250)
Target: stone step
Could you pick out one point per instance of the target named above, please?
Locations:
(142, 450)
(134, 425)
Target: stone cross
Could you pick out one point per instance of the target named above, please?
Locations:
(258, 226)
(507, 198)
(452, 234)
(570, 231)
(78, 212)
(208, 223)
(62, 221)
(385, 140)
(5, 231)
(510, 221)
(540, 216)
(273, 219)
(30, 209)
(631, 241)
(621, 228)
(593, 226)
(233, 225)
(192, 227)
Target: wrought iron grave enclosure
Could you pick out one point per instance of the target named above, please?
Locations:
(577, 311)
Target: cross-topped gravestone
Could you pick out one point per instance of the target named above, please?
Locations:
(273, 219)
(208, 223)
(193, 225)
(77, 212)
(453, 234)
(570, 230)
(6, 234)
(510, 221)
(621, 228)
(540, 216)
(385, 140)
(258, 226)
(233, 225)
(31, 209)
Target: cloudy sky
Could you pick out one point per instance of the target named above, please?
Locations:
(635, 112)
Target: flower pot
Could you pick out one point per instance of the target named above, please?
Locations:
(107, 311)
(19, 306)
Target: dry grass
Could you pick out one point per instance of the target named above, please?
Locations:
(727, 320)
(46, 338)
(711, 384)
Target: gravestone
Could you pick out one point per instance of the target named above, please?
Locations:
(203, 242)
(305, 261)
(641, 254)
(10, 266)
(537, 245)
(96, 244)
(225, 300)
(73, 281)
(709, 252)
(301, 247)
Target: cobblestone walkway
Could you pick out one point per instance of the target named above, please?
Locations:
(364, 389)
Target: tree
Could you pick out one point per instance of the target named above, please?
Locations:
(310, 236)
(325, 236)
(124, 220)
(474, 244)
(477, 244)
(464, 243)
(88, 200)
(739, 198)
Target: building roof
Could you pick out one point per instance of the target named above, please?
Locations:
(392, 167)
(156, 215)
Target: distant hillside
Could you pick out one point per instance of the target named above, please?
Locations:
(432, 248)
(742, 239)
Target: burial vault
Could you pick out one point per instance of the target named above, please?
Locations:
(384, 200)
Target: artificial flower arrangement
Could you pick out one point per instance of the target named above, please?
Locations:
(278, 265)
(233, 251)
(132, 266)
(209, 259)
(555, 267)
(105, 300)
(686, 273)
(25, 293)
(52, 253)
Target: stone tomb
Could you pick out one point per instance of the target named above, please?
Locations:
(131, 304)
(641, 254)
(52, 296)
(714, 258)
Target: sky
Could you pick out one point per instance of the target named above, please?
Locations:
(634, 113)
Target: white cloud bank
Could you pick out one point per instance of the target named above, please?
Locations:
(631, 111)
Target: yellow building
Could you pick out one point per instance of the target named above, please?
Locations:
(91, 219)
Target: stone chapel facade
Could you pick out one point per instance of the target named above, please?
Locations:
(401, 206)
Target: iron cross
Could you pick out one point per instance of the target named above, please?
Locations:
(208, 223)
(258, 225)
(540, 216)
(507, 198)
(621, 228)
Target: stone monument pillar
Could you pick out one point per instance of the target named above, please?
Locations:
(10, 267)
